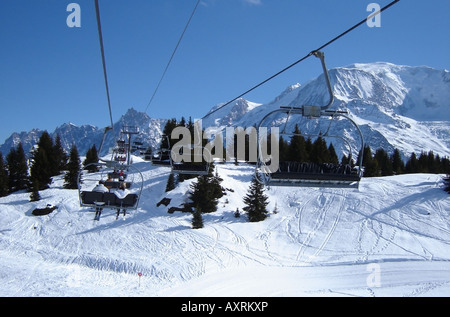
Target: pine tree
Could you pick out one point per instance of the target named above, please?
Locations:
(201, 197)
(205, 193)
(40, 168)
(34, 196)
(412, 165)
(197, 219)
(445, 165)
(398, 166)
(384, 162)
(332, 154)
(297, 147)
(170, 183)
(283, 148)
(44, 163)
(18, 169)
(422, 163)
(217, 190)
(319, 151)
(60, 156)
(256, 202)
(73, 168)
(91, 158)
(369, 163)
(3, 177)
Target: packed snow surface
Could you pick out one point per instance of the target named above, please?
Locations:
(390, 237)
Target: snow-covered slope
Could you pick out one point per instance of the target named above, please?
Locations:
(389, 238)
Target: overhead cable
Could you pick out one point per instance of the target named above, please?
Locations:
(303, 58)
(100, 36)
(173, 54)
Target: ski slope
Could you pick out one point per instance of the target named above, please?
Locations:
(390, 237)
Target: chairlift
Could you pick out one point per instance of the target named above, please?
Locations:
(308, 174)
(162, 156)
(199, 163)
(110, 188)
(121, 153)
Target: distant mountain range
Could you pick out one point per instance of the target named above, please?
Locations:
(86, 135)
(395, 106)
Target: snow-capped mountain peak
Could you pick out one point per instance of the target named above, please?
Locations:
(395, 105)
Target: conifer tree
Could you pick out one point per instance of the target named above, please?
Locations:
(412, 166)
(201, 195)
(197, 219)
(319, 151)
(445, 165)
(3, 177)
(398, 166)
(73, 168)
(384, 162)
(91, 158)
(205, 193)
(40, 168)
(60, 157)
(297, 147)
(18, 169)
(43, 161)
(170, 183)
(34, 196)
(332, 154)
(283, 147)
(256, 202)
(369, 163)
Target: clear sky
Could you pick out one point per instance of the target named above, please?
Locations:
(51, 74)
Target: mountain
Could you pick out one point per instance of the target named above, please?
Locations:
(86, 135)
(395, 106)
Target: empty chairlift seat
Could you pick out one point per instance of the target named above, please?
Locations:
(314, 174)
(190, 168)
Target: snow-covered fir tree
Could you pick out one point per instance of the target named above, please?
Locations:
(197, 219)
(73, 168)
(256, 202)
(205, 193)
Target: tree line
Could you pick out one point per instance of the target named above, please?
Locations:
(378, 163)
(381, 163)
(45, 161)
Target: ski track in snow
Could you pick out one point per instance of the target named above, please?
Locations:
(319, 243)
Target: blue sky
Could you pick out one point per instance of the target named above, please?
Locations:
(51, 74)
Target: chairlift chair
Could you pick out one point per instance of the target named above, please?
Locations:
(162, 156)
(199, 164)
(308, 174)
(110, 188)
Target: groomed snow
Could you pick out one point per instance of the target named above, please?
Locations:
(390, 237)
